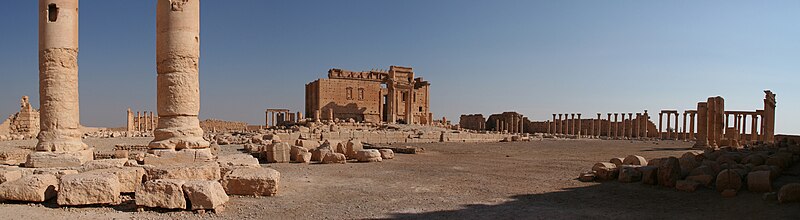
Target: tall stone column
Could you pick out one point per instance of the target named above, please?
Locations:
(522, 125)
(178, 58)
(677, 126)
(769, 117)
(711, 123)
(702, 126)
(610, 125)
(669, 126)
(571, 125)
(637, 126)
(691, 125)
(560, 125)
(684, 136)
(579, 126)
(129, 127)
(553, 124)
(59, 116)
(597, 126)
(616, 125)
(660, 125)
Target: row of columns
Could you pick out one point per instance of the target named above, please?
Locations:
(275, 117)
(618, 126)
(143, 122)
(513, 124)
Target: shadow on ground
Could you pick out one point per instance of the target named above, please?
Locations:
(615, 200)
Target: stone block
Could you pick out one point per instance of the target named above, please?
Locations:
(185, 171)
(30, 188)
(238, 160)
(161, 193)
(129, 177)
(59, 159)
(649, 175)
(759, 181)
(103, 164)
(331, 158)
(304, 158)
(353, 146)
(278, 153)
(669, 172)
(370, 155)
(587, 177)
(387, 154)
(169, 156)
(319, 153)
(252, 181)
(629, 174)
(789, 193)
(89, 189)
(296, 152)
(205, 195)
(8, 175)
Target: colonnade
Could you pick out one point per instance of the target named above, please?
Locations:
(620, 126)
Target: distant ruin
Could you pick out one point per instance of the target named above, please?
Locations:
(393, 96)
(24, 123)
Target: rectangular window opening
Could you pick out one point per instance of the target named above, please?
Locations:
(52, 13)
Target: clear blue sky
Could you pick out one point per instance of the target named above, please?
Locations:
(535, 57)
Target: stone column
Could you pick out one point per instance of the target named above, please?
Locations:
(616, 125)
(522, 125)
(597, 125)
(560, 125)
(59, 117)
(178, 57)
(152, 122)
(683, 129)
(669, 126)
(691, 125)
(660, 120)
(677, 125)
(497, 125)
(553, 124)
(702, 126)
(711, 123)
(769, 117)
(579, 125)
(610, 125)
(299, 117)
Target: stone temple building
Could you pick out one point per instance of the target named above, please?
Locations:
(393, 96)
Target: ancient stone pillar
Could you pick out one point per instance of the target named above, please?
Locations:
(559, 125)
(753, 130)
(318, 116)
(702, 126)
(646, 123)
(610, 125)
(178, 57)
(660, 120)
(669, 125)
(769, 117)
(711, 123)
(129, 125)
(598, 124)
(553, 124)
(497, 125)
(522, 124)
(579, 126)
(616, 125)
(623, 126)
(299, 117)
(691, 125)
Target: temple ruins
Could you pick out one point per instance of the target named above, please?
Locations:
(393, 96)
(24, 123)
(141, 121)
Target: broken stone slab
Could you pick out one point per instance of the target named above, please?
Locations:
(250, 181)
(605, 171)
(686, 185)
(161, 193)
(387, 154)
(129, 177)
(789, 193)
(319, 153)
(89, 189)
(30, 188)
(205, 195)
(59, 159)
(103, 164)
(185, 171)
(332, 158)
(370, 155)
(170, 156)
(759, 181)
(304, 158)
(295, 153)
(729, 179)
(352, 148)
(669, 172)
(634, 160)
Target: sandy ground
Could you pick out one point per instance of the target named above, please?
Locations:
(529, 180)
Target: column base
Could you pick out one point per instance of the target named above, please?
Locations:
(69, 145)
(59, 159)
(180, 143)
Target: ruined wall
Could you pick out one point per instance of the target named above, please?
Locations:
(25, 122)
(355, 99)
(473, 122)
(220, 125)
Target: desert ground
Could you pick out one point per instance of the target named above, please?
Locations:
(520, 180)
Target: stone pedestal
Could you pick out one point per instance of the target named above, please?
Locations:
(178, 56)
